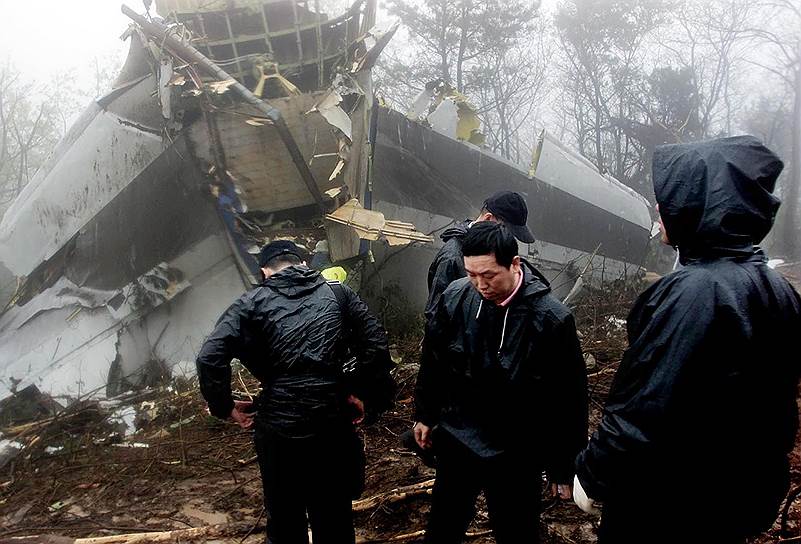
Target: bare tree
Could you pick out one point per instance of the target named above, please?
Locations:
(511, 86)
(602, 44)
(26, 128)
(493, 51)
(34, 117)
(451, 36)
(779, 32)
(707, 39)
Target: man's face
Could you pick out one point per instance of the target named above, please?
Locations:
(664, 237)
(493, 281)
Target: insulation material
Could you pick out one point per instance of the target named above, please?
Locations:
(166, 75)
(372, 225)
(333, 113)
(452, 113)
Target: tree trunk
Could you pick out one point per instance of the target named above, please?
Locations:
(791, 236)
(464, 23)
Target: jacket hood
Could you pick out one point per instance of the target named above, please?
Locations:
(716, 196)
(534, 283)
(456, 231)
(294, 281)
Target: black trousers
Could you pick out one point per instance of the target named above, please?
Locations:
(511, 483)
(314, 477)
(646, 522)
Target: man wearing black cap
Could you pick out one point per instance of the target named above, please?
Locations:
(323, 362)
(505, 207)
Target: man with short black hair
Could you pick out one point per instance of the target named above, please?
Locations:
(505, 207)
(501, 394)
(296, 333)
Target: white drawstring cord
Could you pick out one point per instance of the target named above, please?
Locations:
(481, 303)
(503, 331)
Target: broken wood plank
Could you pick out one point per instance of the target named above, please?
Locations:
(179, 535)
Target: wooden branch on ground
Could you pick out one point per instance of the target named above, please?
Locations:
(179, 535)
(195, 534)
(396, 495)
(248, 461)
(414, 536)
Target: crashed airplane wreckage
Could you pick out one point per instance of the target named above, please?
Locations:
(235, 122)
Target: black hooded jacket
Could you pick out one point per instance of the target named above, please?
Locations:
(502, 378)
(448, 265)
(702, 412)
(293, 336)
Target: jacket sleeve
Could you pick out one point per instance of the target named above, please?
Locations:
(646, 389)
(448, 270)
(429, 389)
(567, 387)
(372, 381)
(227, 341)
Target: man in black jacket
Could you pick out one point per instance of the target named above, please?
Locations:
(295, 332)
(501, 394)
(504, 207)
(702, 412)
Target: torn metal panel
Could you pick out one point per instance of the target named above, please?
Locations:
(561, 167)
(63, 294)
(329, 107)
(103, 155)
(370, 46)
(150, 290)
(425, 170)
(68, 353)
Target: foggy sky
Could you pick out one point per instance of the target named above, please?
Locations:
(42, 38)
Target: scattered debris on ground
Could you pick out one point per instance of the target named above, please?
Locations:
(154, 462)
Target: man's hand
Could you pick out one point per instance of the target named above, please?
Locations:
(563, 491)
(358, 408)
(422, 435)
(243, 414)
(582, 500)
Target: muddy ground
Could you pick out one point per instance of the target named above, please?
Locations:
(80, 476)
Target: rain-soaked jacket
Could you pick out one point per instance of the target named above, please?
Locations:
(504, 378)
(293, 336)
(702, 411)
(448, 265)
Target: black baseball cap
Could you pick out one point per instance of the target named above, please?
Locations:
(510, 208)
(278, 248)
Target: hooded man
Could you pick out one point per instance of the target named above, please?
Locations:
(702, 413)
(501, 394)
(296, 334)
(505, 207)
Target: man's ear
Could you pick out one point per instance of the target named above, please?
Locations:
(266, 273)
(486, 216)
(516, 261)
